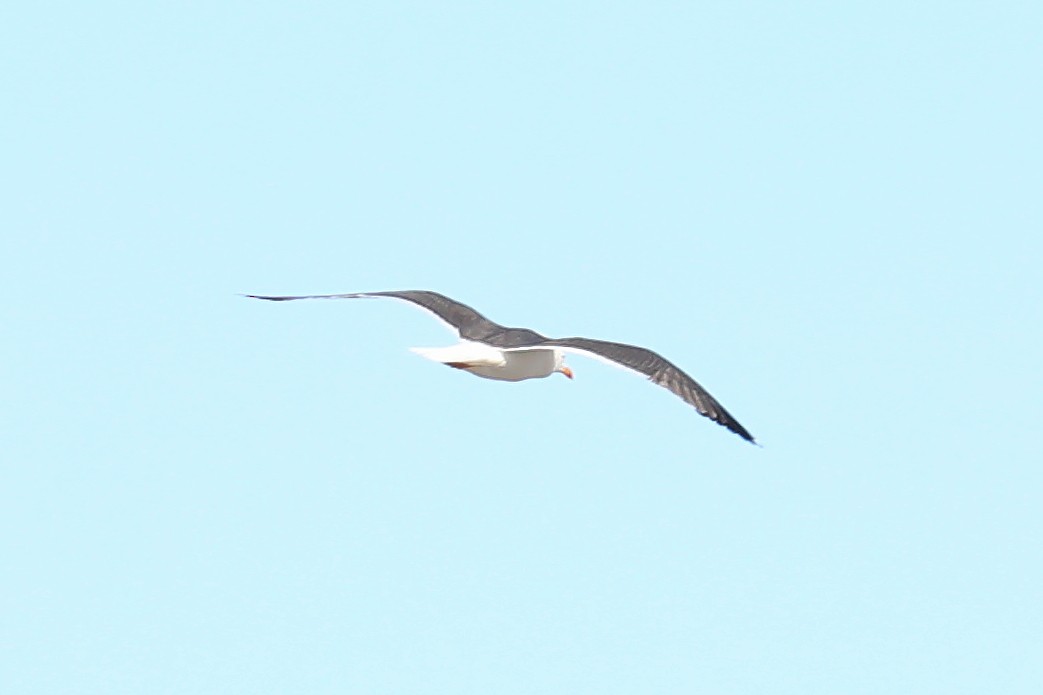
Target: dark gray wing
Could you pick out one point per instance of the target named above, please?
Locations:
(466, 321)
(659, 371)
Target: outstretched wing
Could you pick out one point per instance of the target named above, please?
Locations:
(468, 323)
(659, 370)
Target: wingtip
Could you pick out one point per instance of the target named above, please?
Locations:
(732, 426)
(741, 431)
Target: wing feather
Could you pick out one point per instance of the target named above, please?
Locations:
(468, 323)
(659, 371)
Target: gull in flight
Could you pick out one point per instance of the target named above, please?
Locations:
(492, 351)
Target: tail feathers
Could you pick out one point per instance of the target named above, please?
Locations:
(471, 354)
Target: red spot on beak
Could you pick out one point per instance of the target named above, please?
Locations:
(566, 371)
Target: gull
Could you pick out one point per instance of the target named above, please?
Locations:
(491, 351)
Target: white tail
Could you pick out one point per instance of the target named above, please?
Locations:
(475, 354)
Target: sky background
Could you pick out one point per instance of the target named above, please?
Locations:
(828, 213)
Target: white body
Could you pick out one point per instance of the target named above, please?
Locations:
(493, 363)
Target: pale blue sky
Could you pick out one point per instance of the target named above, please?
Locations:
(830, 214)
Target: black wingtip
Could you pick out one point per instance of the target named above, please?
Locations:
(751, 440)
(261, 296)
(741, 431)
(729, 423)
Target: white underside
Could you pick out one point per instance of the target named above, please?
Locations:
(493, 363)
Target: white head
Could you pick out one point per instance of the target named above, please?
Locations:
(559, 364)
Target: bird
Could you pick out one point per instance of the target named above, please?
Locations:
(492, 351)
